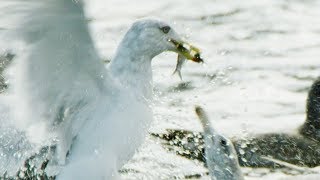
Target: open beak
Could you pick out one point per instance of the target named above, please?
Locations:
(188, 51)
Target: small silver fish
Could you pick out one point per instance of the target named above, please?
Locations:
(180, 61)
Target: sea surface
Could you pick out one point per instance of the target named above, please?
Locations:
(261, 56)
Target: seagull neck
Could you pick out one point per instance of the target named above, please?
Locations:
(133, 70)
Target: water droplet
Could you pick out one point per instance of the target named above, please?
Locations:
(241, 151)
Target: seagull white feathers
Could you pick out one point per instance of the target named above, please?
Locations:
(60, 93)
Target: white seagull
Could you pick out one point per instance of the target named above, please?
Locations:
(220, 154)
(60, 92)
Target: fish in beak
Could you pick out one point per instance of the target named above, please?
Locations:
(188, 51)
(180, 61)
(185, 51)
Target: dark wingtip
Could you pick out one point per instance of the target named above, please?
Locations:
(312, 125)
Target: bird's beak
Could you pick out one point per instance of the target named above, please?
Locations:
(188, 51)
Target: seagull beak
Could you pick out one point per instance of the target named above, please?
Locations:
(188, 51)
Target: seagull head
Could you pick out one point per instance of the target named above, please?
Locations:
(153, 37)
(220, 154)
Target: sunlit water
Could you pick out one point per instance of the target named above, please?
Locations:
(261, 57)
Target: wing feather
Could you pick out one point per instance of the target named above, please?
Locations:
(56, 69)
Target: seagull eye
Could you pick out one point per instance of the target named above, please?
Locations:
(223, 142)
(165, 29)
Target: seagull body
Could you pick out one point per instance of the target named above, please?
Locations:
(61, 94)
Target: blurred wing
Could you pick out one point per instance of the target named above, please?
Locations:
(56, 69)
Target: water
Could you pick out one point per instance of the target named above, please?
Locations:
(261, 57)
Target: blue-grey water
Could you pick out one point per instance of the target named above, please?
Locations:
(261, 57)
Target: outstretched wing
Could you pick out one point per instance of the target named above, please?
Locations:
(56, 68)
